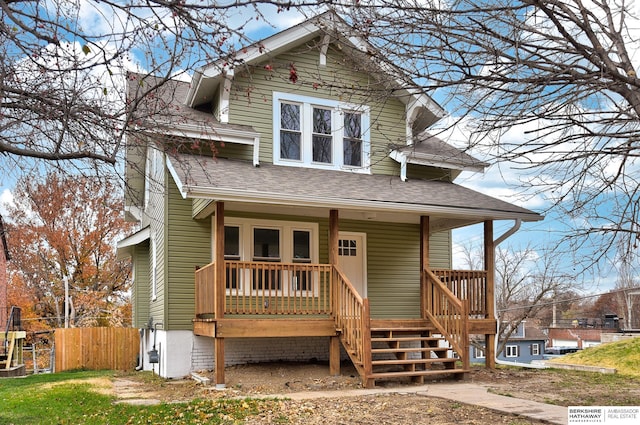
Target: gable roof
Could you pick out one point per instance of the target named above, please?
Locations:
(432, 151)
(162, 109)
(424, 109)
(363, 196)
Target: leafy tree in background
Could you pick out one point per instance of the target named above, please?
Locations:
(64, 229)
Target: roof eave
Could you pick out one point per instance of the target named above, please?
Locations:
(234, 195)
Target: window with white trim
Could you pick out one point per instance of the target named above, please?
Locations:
(320, 133)
(479, 353)
(535, 349)
(272, 242)
(511, 351)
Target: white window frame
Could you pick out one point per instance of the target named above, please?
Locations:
(246, 227)
(511, 351)
(479, 353)
(535, 349)
(307, 104)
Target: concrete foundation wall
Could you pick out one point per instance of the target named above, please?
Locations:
(181, 352)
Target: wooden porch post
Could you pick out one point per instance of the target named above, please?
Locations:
(489, 266)
(424, 261)
(220, 292)
(334, 343)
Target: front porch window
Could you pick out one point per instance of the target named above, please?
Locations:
(266, 248)
(270, 257)
(301, 280)
(232, 253)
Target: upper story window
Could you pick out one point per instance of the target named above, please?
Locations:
(320, 133)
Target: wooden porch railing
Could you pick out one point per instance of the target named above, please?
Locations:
(353, 319)
(448, 314)
(267, 288)
(468, 285)
(205, 290)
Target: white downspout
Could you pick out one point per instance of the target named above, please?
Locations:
(502, 238)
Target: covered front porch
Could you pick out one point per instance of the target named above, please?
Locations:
(252, 299)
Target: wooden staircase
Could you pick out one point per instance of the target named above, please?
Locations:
(400, 350)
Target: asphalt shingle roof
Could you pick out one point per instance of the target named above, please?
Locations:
(217, 178)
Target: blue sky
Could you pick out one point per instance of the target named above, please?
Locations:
(501, 181)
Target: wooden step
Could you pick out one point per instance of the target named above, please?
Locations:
(409, 350)
(404, 338)
(415, 373)
(412, 361)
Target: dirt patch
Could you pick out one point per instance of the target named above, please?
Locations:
(99, 385)
(548, 386)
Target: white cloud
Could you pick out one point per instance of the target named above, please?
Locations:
(6, 198)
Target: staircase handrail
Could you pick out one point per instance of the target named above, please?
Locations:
(14, 318)
(449, 314)
(352, 317)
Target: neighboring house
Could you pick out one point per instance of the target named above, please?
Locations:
(581, 333)
(322, 220)
(525, 345)
(4, 257)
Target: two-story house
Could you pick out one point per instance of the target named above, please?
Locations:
(293, 205)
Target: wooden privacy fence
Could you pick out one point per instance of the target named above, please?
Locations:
(96, 348)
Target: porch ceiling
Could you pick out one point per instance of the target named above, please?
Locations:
(278, 189)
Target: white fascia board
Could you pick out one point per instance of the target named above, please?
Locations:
(125, 246)
(193, 88)
(430, 161)
(268, 46)
(136, 238)
(176, 178)
(234, 195)
(227, 135)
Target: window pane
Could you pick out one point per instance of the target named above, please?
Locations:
(352, 126)
(353, 152)
(322, 139)
(290, 116)
(322, 149)
(321, 121)
(352, 142)
(301, 245)
(289, 145)
(232, 242)
(266, 243)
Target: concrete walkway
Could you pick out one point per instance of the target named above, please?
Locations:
(461, 392)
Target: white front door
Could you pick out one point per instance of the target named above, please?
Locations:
(352, 257)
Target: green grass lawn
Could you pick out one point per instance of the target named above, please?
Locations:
(75, 398)
(624, 356)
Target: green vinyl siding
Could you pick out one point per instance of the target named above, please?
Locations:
(428, 173)
(154, 217)
(188, 244)
(199, 205)
(393, 265)
(393, 260)
(141, 291)
(251, 100)
(134, 169)
(234, 150)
